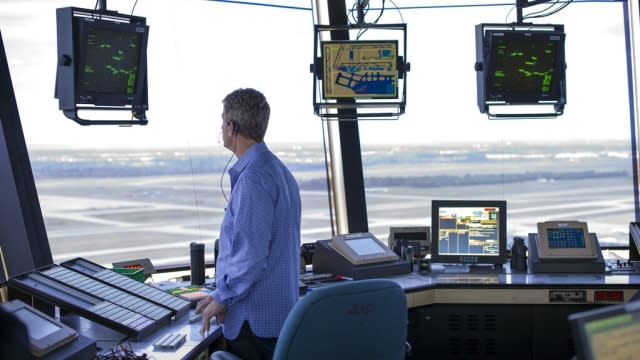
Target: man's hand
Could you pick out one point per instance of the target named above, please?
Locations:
(203, 304)
(210, 308)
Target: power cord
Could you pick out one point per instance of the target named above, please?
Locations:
(124, 351)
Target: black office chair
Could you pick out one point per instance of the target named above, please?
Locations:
(363, 319)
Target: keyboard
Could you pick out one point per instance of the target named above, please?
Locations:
(171, 341)
(86, 305)
(160, 297)
(109, 293)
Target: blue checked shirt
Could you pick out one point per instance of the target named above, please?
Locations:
(259, 258)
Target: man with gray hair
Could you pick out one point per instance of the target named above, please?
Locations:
(258, 265)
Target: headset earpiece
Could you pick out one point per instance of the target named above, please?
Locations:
(236, 126)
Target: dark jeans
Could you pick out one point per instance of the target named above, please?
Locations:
(248, 346)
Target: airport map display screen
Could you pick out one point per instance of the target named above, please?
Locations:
(360, 69)
(468, 232)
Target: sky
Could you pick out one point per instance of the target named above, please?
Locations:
(201, 50)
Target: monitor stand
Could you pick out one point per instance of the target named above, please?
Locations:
(466, 268)
(486, 268)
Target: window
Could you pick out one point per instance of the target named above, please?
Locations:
(574, 167)
(110, 193)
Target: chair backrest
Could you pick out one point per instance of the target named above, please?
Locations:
(363, 319)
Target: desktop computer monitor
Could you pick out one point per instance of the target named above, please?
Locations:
(469, 231)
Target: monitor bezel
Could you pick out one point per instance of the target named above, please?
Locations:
(546, 252)
(497, 259)
(98, 98)
(556, 93)
(325, 81)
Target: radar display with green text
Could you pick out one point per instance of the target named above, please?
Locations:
(524, 65)
(111, 62)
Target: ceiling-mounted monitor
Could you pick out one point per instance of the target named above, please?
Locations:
(359, 72)
(521, 65)
(360, 69)
(109, 56)
(102, 63)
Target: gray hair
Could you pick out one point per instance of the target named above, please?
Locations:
(249, 111)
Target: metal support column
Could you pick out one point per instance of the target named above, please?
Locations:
(350, 140)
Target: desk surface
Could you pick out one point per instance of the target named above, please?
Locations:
(506, 287)
(194, 345)
(108, 340)
(421, 281)
(422, 288)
